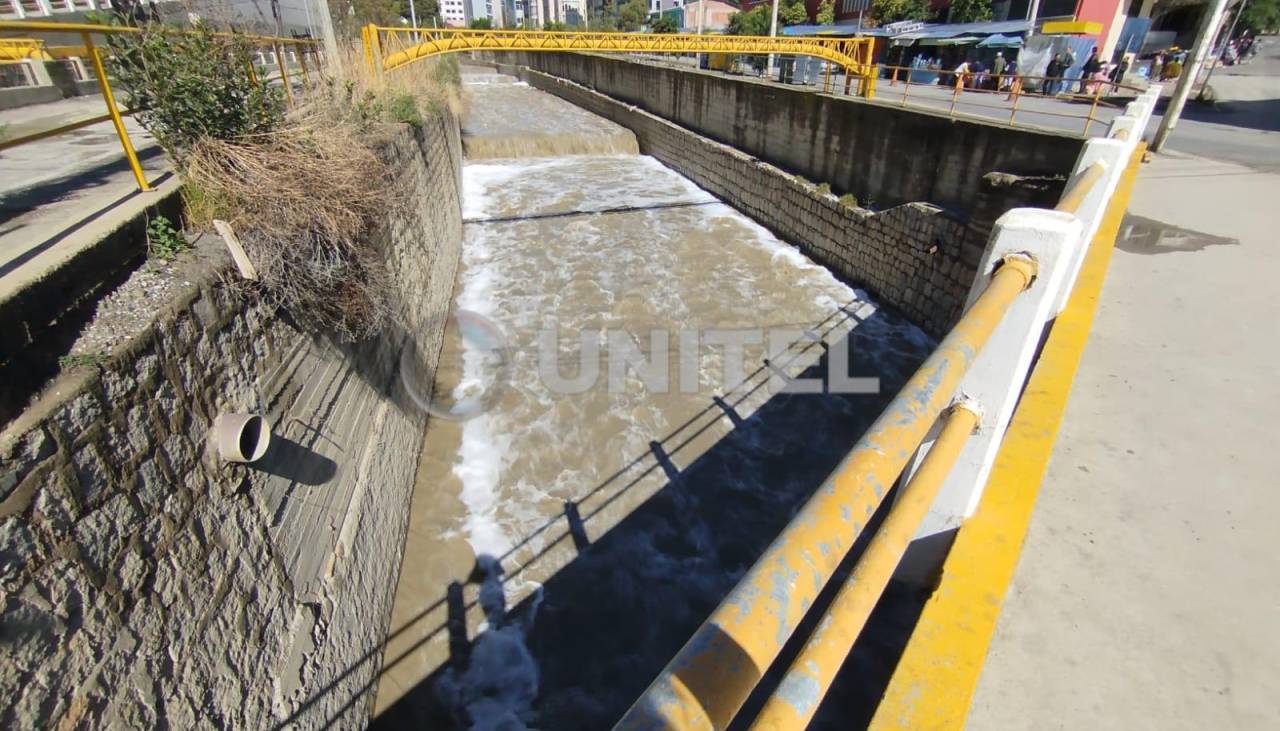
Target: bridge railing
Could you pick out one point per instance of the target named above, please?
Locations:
(937, 439)
(32, 52)
(391, 48)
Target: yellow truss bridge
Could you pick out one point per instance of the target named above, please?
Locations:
(396, 47)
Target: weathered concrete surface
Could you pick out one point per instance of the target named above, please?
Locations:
(1147, 591)
(872, 150)
(144, 582)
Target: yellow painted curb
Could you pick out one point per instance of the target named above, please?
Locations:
(934, 683)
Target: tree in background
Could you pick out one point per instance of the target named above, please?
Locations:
(969, 11)
(891, 11)
(632, 15)
(607, 20)
(826, 13)
(482, 24)
(1261, 16)
(664, 24)
(554, 25)
(791, 13)
(754, 23)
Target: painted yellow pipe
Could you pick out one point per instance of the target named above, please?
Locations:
(807, 681)
(1075, 194)
(709, 679)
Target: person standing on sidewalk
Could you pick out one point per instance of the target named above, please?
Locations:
(997, 70)
(1053, 76)
(1092, 66)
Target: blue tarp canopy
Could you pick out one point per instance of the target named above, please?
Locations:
(1001, 41)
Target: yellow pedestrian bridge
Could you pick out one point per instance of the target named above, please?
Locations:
(396, 47)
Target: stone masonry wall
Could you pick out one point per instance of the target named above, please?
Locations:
(875, 151)
(915, 257)
(144, 583)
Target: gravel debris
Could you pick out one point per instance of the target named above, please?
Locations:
(133, 306)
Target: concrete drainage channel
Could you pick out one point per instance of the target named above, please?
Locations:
(139, 559)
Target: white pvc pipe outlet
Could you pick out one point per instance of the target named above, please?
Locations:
(241, 437)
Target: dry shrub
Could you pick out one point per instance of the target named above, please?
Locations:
(305, 201)
(353, 93)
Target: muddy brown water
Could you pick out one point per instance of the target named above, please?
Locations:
(562, 546)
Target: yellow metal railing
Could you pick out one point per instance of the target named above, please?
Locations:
(707, 682)
(37, 52)
(392, 48)
(1013, 87)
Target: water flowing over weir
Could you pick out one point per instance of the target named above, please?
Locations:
(563, 546)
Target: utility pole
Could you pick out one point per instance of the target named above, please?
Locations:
(1204, 38)
(773, 33)
(332, 59)
(1217, 51)
(1032, 13)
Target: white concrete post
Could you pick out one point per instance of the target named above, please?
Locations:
(1114, 155)
(17, 9)
(39, 73)
(995, 380)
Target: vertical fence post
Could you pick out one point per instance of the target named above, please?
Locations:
(955, 95)
(995, 379)
(284, 73)
(1113, 154)
(100, 69)
(1093, 108)
(302, 62)
(1016, 93)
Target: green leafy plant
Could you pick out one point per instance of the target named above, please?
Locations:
(192, 83)
(792, 13)
(82, 360)
(826, 13)
(824, 189)
(404, 108)
(632, 15)
(969, 11)
(891, 11)
(553, 25)
(664, 24)
(482, 24)
(849, 199)
(165, 242)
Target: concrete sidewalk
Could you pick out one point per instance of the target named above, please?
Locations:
(58, 195)
(1147, 592)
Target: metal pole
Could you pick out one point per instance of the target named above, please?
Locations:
(1218, 52)
(110, 99)
(816, 665)
(1204, 38)
(773, 33)
(1093, 108)
(1032, 12)
(284, 74)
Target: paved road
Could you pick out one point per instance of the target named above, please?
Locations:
(1148, 589)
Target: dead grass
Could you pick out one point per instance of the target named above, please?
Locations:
(306, 202)
(308, 199)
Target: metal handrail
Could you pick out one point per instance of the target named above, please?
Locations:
(1079, 187)
(1013, 93)
(113, 113)
(817, 664)
(710, 678)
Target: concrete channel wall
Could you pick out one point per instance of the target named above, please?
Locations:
(147, 583)
(916, 256)
(875, 151)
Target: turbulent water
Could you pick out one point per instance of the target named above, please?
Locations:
(609, 521)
